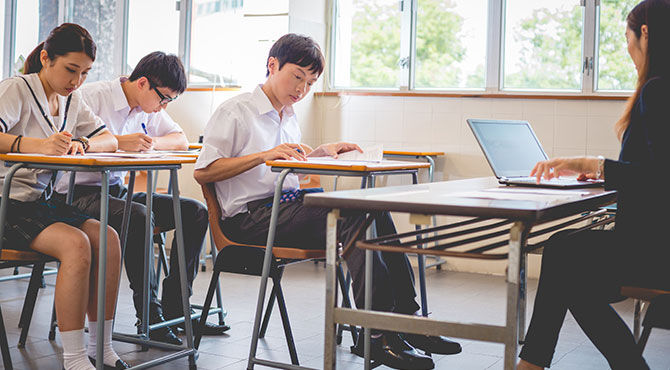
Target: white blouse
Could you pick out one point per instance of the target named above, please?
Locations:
(24, 110)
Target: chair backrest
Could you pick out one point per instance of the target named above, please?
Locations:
(221, 241)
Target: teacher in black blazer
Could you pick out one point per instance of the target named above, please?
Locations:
(584, 271)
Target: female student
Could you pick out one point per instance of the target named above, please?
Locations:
(41, 112)
(583, 272)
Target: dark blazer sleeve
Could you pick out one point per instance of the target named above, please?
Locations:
(651, 118)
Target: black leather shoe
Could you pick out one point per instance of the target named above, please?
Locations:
(164, 334)
(209, 329)
(119, 365)
(433, 344)
(393, 351)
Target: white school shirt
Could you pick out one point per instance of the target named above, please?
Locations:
(20, 115)
(243, 125)
(108, 101)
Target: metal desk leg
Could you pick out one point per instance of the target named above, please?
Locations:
(422, 266)
(148, 252)
(181, 257)
(102, 268)
(125, 223)
(515, 270)
(372, 231)
(267, 260)
(329, 357)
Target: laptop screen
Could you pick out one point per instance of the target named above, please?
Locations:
(511, 147)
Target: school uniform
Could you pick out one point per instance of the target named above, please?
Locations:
(108, 101)
(24, 110)
(249, 124)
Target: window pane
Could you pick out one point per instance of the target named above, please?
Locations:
(616, 70)
(368, 43)
(99, 18)
(543, 44)
(451, 44)
(158, 32)
(230, 39)
(27, 32)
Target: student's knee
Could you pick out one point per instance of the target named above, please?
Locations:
(76, 251)
(195, 209)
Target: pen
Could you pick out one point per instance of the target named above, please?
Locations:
(144, 128)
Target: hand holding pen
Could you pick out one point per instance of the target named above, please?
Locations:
(137, 142)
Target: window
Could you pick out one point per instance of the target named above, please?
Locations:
(158, 32)
(451, 44)
(615, 69)
(99, 18)
(563, 46)
(543, 45)
(230, 40)
(27, 33)
(368, 43)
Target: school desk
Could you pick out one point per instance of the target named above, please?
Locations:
(488, 207)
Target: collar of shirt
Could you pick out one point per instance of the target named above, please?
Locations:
(264, 106)
(36, 84)
(119, 100)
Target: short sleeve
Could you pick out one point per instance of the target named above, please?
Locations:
(88, 124)
(161, 124)
(223, 138)
(10, 104)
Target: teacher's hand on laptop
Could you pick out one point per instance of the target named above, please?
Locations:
(586, 168)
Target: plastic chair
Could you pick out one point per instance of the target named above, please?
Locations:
(248, 259)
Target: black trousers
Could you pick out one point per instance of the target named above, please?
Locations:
(305, 227)
(582, 272)
(194, 222)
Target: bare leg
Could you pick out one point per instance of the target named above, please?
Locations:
(92, 229)
(72, 248)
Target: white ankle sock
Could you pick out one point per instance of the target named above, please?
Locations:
(108, 354)
(74, 350)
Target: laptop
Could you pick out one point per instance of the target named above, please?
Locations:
(512, 150)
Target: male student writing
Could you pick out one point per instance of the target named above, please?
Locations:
(252, 128)
(133, 110)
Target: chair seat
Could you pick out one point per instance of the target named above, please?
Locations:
(28, 256)
(645, 294)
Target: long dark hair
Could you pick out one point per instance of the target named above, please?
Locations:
(66, 38)
(656, 15)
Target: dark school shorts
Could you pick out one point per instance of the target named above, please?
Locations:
(25, 220)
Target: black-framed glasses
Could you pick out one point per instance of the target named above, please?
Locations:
(164, 99)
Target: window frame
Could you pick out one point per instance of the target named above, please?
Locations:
(494, 57)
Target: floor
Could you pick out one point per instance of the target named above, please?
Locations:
(457, 296)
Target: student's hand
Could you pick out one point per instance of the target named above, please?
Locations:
(75, 148)
(284, 151)
(135, 142)
(585, 167)
(333, 149)
(56, 144)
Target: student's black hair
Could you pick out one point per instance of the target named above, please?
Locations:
(300, 50)
(66, 38)
(162, 70)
